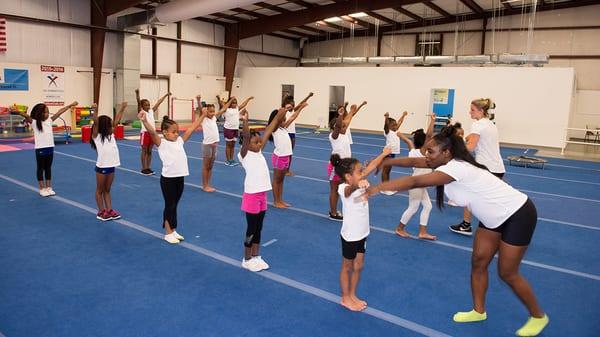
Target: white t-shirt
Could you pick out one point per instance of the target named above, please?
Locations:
(232, 119)
(283, 143)
(489, 198)
(349, 135)
(257, 172)
(210, 130)
(150, 119)
(173, 157)
(108, 152)
(417, 171)
(44, 138)
(292, 127)
(393, 141)
(341, 145)
(355, 225)
(487, 151)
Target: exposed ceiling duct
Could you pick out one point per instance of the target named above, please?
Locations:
(179, 10)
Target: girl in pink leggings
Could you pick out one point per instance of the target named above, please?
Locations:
(256, 184)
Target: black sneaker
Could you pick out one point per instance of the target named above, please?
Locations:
(146, 172)
(150, 172)
(336, 217)
(462, 228)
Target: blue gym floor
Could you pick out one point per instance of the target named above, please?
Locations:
(64, 273)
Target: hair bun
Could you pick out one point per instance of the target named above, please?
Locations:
(166, 118)
(448, 131)
(335, 159)
(417, 131)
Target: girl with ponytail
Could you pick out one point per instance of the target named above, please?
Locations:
(507, 219)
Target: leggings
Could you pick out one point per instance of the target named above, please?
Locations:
(417, 196)
(44, 157)
(255, 225)
(172, 189)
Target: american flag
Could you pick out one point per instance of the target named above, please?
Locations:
(2, 35)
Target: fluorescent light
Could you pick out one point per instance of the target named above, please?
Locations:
(333, 19)
(429, 42)
(359, 59)
(381, 59)
(510, 1)
(306, 60)
(358, 15)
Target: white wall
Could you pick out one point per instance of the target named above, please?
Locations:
(524, 115)
(78, 87)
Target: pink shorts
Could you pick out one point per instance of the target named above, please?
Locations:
(254, 203)
(146, 139)
(331, 174)
(280, 163)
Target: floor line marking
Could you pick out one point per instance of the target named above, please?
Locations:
(301, 210)
(382, 315)
(270, 242)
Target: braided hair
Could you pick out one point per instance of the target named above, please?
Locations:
(104, 130)
(447, 139)
(342, 166)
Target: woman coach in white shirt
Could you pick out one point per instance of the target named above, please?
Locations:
(483, 141)
(507, 219)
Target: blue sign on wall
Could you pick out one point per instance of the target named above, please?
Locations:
(14, 79)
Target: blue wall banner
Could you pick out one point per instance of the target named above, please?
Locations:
(14, 79)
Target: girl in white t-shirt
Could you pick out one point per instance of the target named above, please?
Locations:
(145, 138)
(417, 196)
(340, 145)
(105, 144)
(507, 219)
(291, 129)
(175, 168)
(256, 184)
(355, 226)
(483, 141)
(392, 140)
(41, 122)
(282, 153)
(210, 132)
(231, 127)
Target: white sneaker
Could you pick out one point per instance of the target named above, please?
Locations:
(170, 238)
(44, 192)
(251, 265)
(178, 236)
(50, 191)
(261, 263)
(388, 192)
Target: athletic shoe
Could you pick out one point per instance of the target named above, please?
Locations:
(228, 163)
(44, 192)
(170, 238)
(534, 326)
(146, 172)
(462, 228)
(50, 191)
(388, 192)
(469, 316)
(113, 215)
(234, 163)
(336, 217)
(261, 263)
(251, 265)
(103, 215)
(178, 236)
(150, 172)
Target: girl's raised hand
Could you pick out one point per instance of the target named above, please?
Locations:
(363, 184)
(74, 103)
(142, 115)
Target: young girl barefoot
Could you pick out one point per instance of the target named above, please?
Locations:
(417, 196)
(283, 151)
(145, 138)
(41, 122)
(175, 168)
(392, 140)
(105, 144)
(355, 227)
(256, 185)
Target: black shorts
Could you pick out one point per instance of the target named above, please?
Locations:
(518, 229)
(351, 248)
(499, 175)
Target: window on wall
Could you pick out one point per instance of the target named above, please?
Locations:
(428, 45)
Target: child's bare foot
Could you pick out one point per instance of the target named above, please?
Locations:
(289, 173)
(280, 205)
(287, 204)
(400, 231)
(351, 305)
(359, 301)
(208, 189)
(427, 236)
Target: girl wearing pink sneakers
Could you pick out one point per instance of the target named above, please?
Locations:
(105, 144)
(256, 184)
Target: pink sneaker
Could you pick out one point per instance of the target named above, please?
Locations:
(113, 215)
(102, 215)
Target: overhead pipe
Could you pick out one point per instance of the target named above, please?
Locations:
(179, 10)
